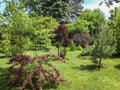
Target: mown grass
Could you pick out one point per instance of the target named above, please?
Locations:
(78, 72)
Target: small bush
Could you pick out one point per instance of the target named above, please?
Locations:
(82, 39)
(33, 72)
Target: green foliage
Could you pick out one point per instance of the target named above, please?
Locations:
(88, 22)
(104, 46)
(16, 34)
(1, 20)
(114, 24)
(76, 8)
(72, 47)
(5, 44)
(95, 18)
(62, 10)
(79, 26)
(110, 2)
(57, 9)
(12, 6)
(42, 31)
(25, 31)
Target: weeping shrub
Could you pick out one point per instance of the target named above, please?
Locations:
(33, 72)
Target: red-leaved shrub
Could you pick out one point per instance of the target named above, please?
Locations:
(34, 72)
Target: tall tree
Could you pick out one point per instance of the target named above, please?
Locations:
(79, 26)
(12, 7)
(114, 24)
(16, 26)
(76, 8)
(109, 2)
(88, 22)
(15, 35)
(95, 18)
(61, 33)
(42, 31)
(1, 19)
(104, 46)
(58, 9)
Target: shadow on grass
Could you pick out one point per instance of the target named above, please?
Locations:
(84, 57)
(87, 67)
(117, 66)
(3, 81)
(2, 55)
(49, 86)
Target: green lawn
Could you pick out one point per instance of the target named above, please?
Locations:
(79, 73)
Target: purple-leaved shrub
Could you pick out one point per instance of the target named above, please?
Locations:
(82, 39)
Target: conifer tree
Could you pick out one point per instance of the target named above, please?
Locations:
(61, 10)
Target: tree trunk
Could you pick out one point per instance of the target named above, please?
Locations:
(58, 48)
(99, 64)
(58, 51)
(64, 53)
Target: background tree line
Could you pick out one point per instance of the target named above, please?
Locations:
(30, 25)
(34, 25)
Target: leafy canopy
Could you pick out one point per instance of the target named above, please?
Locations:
(114, 24)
